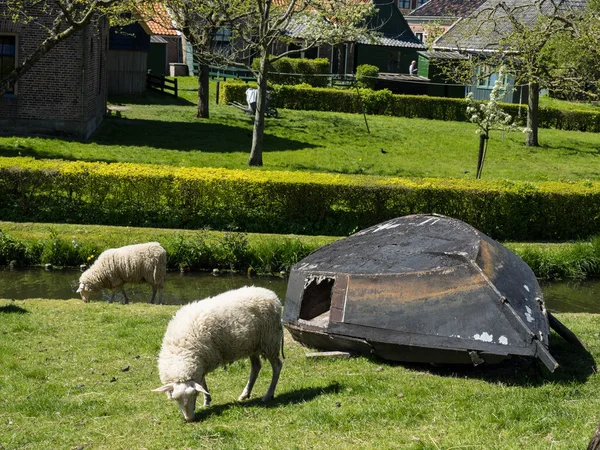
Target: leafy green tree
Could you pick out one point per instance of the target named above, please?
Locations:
(259, 25)
(201, 22)
(522, 35)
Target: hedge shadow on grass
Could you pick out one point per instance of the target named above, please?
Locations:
(287, 398)
(188, 136)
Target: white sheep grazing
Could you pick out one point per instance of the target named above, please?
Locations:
(139, 263)
(209, 333)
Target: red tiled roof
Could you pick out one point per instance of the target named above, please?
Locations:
(157, 19)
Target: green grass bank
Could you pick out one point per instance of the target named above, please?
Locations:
(162, 130)
(72, 245)
(75, 375)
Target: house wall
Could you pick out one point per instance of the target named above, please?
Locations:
(65, 92)
(127, 72)
(386, 58)
(419, 26)
(174, 49)
(128, 59)
(513, 94)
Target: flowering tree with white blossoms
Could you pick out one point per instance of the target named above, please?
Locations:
(489, 116)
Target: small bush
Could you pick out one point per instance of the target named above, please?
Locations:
(188, 253)
(366, 75)
(292, 71)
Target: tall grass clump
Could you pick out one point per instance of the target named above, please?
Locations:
(577, 260)
(58, 251)
(274, 256)
(18, 252)
(188, 253)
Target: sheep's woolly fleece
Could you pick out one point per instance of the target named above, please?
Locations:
(206, 334)
(137, 263)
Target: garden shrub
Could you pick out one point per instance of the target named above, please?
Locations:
(366, 75)
(291, 71)
(283, 202)
(411, 106)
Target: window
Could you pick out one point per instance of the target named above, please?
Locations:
(404, 4)
(486, 77)
(421, 2)
(419, 36)
(393, 61)
(7, 58)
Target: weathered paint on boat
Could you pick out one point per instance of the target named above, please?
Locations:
(419, 288)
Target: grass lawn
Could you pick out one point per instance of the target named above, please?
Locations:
(164, 130)
(75, 375)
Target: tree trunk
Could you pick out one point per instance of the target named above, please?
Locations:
(595, 442)
(483, 140)
(203, 91)
(259, 117)
(340, 52)
(533, 104)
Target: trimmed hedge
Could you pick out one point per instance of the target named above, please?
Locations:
(383, 102)
(286, 202)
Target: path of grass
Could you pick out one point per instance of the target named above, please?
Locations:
(162, 130)
(75, 374)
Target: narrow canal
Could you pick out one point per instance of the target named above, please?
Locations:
(181, 288)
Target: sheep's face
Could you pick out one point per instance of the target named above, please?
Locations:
(185, 395)
(85, 292)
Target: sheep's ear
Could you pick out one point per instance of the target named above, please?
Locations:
(165, 388)
(81, 287)
(199, 388)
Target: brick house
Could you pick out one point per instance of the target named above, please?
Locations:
(65, 92)
(442, 14)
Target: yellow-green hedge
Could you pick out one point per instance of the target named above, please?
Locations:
(413, 106)
(285, 202)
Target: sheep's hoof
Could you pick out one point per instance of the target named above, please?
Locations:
(266, 398)
(244, 396)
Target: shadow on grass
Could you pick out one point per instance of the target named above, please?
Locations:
(23, 151)
(149, 98)
(187, 136)
(287, 398)
(180, 136)
(12, 309)
(576, 365)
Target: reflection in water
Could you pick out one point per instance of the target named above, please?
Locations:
(572, 296)
(20, 284)
(179, 289)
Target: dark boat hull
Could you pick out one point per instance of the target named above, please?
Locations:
(419, 288)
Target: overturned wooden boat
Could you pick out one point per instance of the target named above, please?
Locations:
(420, 288)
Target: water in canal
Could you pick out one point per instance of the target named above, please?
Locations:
(181, 288)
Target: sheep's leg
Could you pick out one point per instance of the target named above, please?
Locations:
(160, 292)
(153, 294)
(126, 300)
(112, 297)
(276, 365)
(207, 398)
(254, 370)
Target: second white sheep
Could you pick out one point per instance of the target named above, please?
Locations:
(139, 263)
